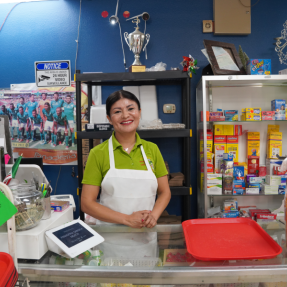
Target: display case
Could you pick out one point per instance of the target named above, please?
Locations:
(173, 266)
(237, 93)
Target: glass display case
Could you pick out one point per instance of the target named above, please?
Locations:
(228, 94)
(172, 266)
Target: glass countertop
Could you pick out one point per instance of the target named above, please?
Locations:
(170, 262)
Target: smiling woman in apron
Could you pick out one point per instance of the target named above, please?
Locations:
(130, 172)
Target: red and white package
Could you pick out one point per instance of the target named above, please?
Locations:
(267, 216)
(253, 212)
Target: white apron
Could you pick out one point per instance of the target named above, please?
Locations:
(127, 191)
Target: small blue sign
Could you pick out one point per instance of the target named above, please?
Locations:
(53, 66)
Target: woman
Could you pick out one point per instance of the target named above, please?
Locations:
(130, 172)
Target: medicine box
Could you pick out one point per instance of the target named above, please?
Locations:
(232, 147)
(238, 186)
(252, 114)
(281, 189)
(231, 115)
(255, 180)
(270, 189)
(59, 206)
(254, 185)
(230, 214)
(237, 130)
(268, 115)
(230, 205)
(254, 190)
(226, 130)
(273, 128)
(274, 136)
(258, 67)
(209, 142)
(238, 172)
(253, 166)
(207, 116)
(227, 168)
(273, 179)
(253, 212)
(244, 164)
(253, 144)
(274, 148)
(270, 164)
(214, 189)
(278, 106)
(219, 150)
(227, 182)
(214, 178)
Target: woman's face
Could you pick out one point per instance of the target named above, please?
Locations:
(124, 116)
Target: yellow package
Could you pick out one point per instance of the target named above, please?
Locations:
(242, 117)
(245, 167)
(274, 136)
(209, 144)
(226, 130)
(253, 136)
(274, 147)
(232, 148)
(273, 128)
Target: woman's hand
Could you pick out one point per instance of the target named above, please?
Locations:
(150, 221)
(135, 220)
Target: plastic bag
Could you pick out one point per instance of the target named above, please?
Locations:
(158, 67)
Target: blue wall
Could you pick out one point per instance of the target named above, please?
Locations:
(48, 30)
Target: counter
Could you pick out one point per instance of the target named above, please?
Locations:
(169, 237)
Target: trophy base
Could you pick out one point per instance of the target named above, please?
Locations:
(137, 68)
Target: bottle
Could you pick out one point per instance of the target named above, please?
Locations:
(95, 259)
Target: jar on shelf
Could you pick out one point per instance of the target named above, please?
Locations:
(30, 205)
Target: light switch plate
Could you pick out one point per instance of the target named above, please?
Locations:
(207, 26)
(169, 108)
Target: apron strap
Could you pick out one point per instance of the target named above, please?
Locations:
(111, 153)
(146, 160)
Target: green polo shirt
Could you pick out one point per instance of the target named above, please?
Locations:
(98, 163)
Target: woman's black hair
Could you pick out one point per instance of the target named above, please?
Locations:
(115, 96)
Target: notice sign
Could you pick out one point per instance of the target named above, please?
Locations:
(53, 73)
(73, 234)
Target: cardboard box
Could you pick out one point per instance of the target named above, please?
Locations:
(268, 115)
(214, 189)
(273, 179)
(252, 114)
(227, 182)
(227, 130)
(255, 180)
(232, 147)
(271, 163)
(230, 205)
(237, 130)
(209, 142)
(238, 186)
(258, 67)
(231, 115)
(274, 136)
(244, 164)
(278, 106)
(253, 212)
(253, 144)
(273, 128)
(274, 148)
(253, 166)
(238, 172)
(207, 116)
(270, 189)
(219, 150)
(254, 190)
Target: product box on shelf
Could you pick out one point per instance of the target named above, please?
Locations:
(209, 142)
(252, 190)
(254, 212)
(262, 170)
(227, 167)
(268, 115)
(274, 144)
(273, 179)
(230, 214)
(238, 186)
(231, 115)
(265, 217)
(253, 166)
(244, 164)
(238, 172)
(214, 178)
(248, 177)
(232, 147)
(207, 116)
(227, 183)
(237, 130)
(255, 180)
(252, 114)
(278, 106)
(270, 189)
(230, 204)
(219, 150)
(253, 144)
(217, 119)
(226, 130)
(273, 128)
(254, 185)
(281, 189)
(258, 67)
(214, 189)
(271, 163)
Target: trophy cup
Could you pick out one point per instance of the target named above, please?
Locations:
(135, 41)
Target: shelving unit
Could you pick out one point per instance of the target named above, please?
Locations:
(235, 93)
(137, 79)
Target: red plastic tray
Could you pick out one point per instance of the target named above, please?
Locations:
(218, 239)
(7, 269)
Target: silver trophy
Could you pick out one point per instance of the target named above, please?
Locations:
(135, 41)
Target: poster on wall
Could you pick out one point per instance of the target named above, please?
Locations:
(43, 120)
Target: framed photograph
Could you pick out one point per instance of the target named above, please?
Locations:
(224, 59)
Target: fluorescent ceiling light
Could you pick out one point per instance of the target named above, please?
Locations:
(15, 1)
